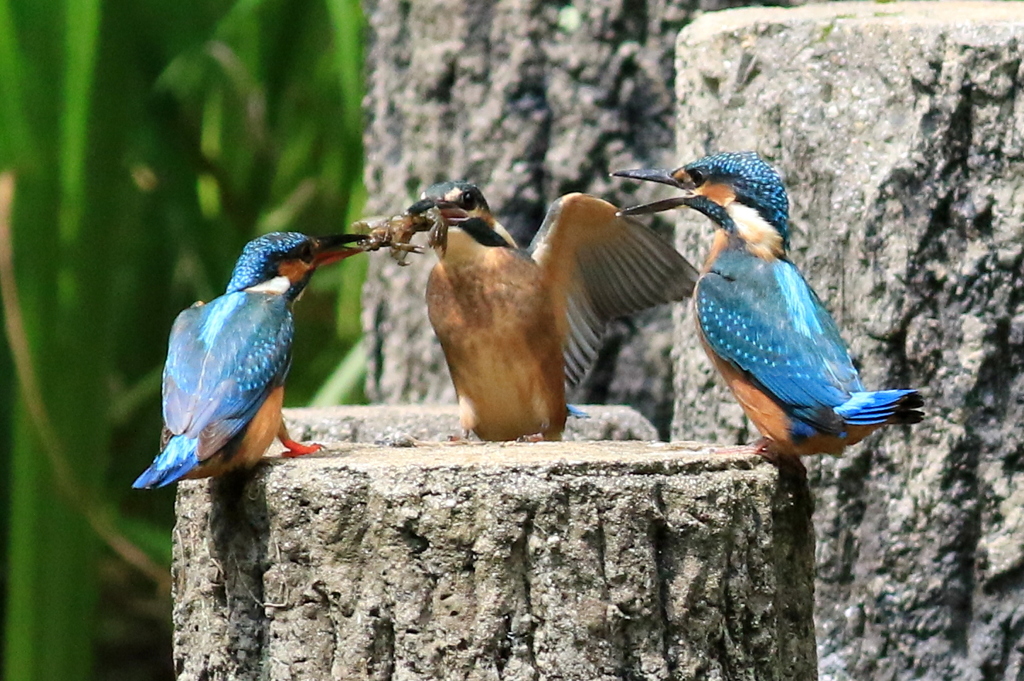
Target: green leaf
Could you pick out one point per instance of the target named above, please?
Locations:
(14, 131)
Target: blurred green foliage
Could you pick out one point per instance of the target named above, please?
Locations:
(149, 141)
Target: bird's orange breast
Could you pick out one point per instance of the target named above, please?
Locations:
(497, 327)
(246, 450)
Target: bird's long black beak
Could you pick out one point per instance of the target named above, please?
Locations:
(335, 247)
(449, 211)
(421, 206)
(661, 176)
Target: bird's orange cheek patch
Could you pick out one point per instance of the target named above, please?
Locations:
(721, 194)
(295, 270)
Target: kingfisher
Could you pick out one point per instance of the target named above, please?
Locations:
(223, 382)
(520, 326)
(763, 327)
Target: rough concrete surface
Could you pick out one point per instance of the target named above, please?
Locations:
(579, 561)
(900, 131)
(407, 424)
(530, 99)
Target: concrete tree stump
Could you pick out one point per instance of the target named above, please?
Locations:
(578, 561)
(899, 129)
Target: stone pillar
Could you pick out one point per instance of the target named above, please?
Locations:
(530, 99)
(899, 129)
(582, 561)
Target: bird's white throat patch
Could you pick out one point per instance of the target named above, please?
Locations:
(277, 285)
(762, 239)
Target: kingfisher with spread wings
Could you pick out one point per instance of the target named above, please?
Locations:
(519, 326)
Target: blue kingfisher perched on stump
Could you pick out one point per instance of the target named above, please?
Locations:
(762, 326)
(227, 361)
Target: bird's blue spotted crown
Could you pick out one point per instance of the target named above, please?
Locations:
(261, 256)
(755, 183)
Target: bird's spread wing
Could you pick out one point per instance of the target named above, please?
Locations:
(606, 267)
(764, 319)
(223, 360)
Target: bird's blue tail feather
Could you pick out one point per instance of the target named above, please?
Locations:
(178, 458)
(576, 412)
(873, 408)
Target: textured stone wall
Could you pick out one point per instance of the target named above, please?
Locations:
(582, 561)
(900, 131)
(530, 99)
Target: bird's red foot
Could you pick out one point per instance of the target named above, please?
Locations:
(295, 449)
(753, 448)
(786, 463)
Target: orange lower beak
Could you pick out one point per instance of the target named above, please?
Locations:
(331, 249)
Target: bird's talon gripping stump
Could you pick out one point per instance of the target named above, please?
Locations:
(296, 449)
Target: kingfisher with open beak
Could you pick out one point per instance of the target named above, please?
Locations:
(762, 326)
(227, 360)
(519, 326)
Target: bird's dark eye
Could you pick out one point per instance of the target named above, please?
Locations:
(696, 176)
(467, 200)
(305, 252)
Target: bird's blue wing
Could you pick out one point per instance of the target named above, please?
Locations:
(763, 318)
(223, 360)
